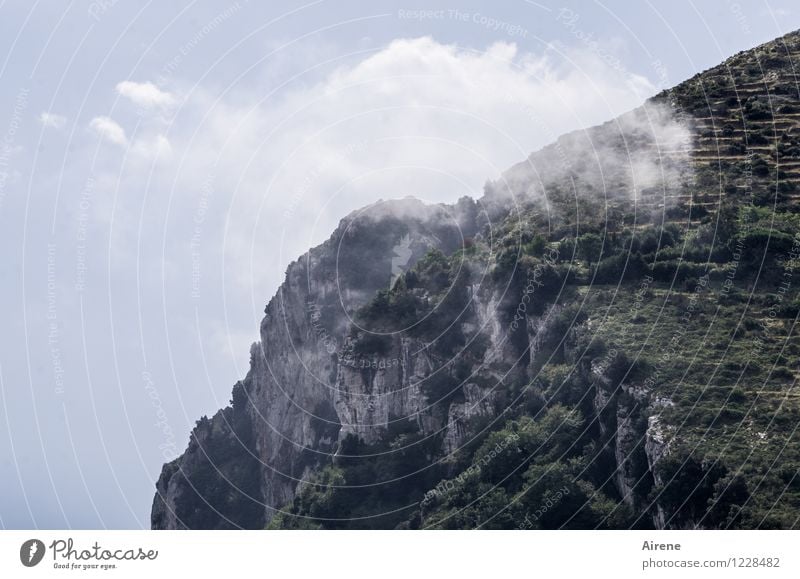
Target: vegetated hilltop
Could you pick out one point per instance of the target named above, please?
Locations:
(606, 339)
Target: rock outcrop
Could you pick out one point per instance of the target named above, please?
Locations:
(306, 389)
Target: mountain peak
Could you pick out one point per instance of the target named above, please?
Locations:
(610, 320)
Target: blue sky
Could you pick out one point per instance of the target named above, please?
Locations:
(161, 164)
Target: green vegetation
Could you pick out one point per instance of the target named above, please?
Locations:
(367, 486)
(223, 479)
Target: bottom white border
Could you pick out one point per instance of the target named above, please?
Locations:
(404, 554)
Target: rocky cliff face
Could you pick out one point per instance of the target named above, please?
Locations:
(428, 331)
(317, 376)
(306, 388)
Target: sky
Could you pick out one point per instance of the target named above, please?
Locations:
(161, 163)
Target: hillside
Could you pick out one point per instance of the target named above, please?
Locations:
(605, 339)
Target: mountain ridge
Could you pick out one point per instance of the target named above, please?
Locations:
(519, 322)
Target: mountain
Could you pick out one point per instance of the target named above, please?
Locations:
(605, 339)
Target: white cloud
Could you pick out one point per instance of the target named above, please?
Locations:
(144, 94)
(52, 120)
(109, 129)
(157, 147)
(418, 117)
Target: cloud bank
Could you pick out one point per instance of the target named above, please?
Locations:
(417, 117)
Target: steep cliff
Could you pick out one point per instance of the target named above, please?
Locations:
(286, 416)
(599, 341)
